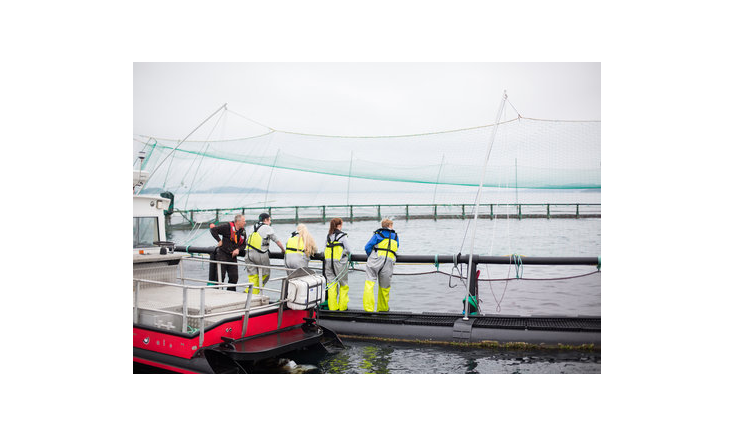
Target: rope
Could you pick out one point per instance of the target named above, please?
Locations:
(342, 273)
(392, 136)
(459, 270)
(518, 261)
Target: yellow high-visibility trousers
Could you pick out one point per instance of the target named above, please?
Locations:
(256, 282)
(368, 298)
(332, 297)
(343, 298)
(378, 269)
(383, 295)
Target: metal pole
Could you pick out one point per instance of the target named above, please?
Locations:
(349, 178)
(135, 301)
(433, 200)
(477, 204)
(267, 188)
(201, 320)
(442, 259)
(246, 317)
(185, 311)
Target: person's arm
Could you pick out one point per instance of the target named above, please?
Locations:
(274, 238)
(369, 246)
(241, 248)
(346, 244)
(215, 231)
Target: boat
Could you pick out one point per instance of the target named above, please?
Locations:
(185, 325)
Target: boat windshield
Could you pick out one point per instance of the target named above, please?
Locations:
(145, 231)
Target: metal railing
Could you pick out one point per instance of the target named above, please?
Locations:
(514, 259)
(185, 287)
(359, 212)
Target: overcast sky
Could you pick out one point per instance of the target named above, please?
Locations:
(171, 99)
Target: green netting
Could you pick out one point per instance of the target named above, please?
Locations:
(526, 154)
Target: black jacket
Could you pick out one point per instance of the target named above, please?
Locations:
(228, 246)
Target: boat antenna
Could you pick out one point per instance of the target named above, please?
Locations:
(477, 206)
(182, 141)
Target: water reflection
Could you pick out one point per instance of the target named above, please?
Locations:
(375, 359)
(339, 363)
(366, 357)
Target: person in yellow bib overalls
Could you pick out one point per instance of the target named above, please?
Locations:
(257, 255)
(299, 248)
(335, 266)
(381, 251)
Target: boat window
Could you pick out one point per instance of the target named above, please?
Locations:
(145, 231)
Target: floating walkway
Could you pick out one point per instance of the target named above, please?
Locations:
(550, 331)
(188, 218)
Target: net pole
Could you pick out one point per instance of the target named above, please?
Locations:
(433, 200)
(471, 275)
(268, 187)
(349, 178)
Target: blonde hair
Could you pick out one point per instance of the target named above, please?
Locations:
(386, 223)
(309, 243)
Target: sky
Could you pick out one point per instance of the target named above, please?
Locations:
(171, 99)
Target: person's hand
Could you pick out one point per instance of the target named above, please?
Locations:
(219, 243)
(211, 225)
(235, 252)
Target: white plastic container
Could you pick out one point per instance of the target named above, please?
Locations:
(305, 292)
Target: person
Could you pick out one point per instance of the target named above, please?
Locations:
(257, 251)
(335, 266)
(381, 251)
(229, 246)
(299, 248)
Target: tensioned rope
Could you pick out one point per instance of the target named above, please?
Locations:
(272, 130)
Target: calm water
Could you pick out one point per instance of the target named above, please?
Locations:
(366, 357)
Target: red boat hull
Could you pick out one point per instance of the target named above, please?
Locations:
(177, 352)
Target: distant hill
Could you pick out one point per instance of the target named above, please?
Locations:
(222, 190)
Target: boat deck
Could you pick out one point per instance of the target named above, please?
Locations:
(171, 298)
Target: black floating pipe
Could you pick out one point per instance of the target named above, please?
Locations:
(442, 259)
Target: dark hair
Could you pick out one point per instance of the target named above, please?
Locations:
(263, 216)
(333, 225)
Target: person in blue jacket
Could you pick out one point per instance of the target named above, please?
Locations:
(381, 251)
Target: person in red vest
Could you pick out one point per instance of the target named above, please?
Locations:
(229, 246)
